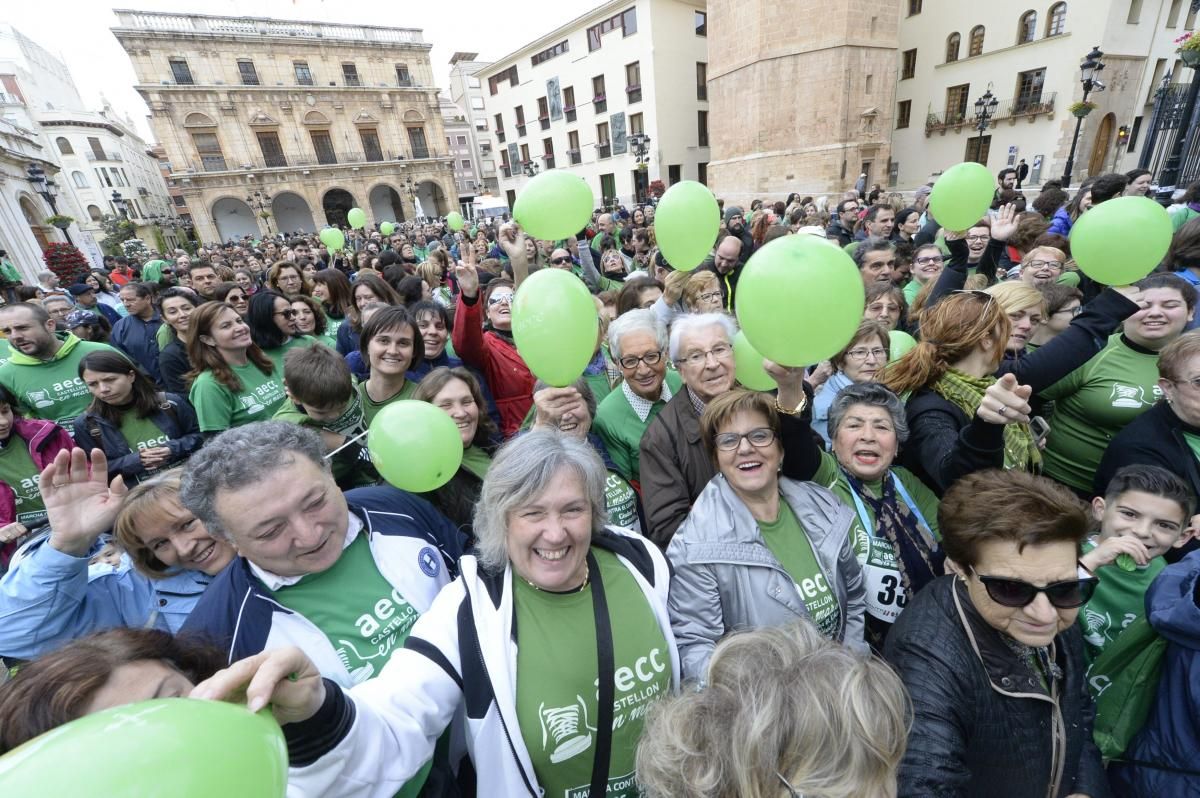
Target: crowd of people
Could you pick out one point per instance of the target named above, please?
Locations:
(907, 573)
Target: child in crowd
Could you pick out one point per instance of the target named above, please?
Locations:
(321, 395)
(109, 556)
(1145, 513)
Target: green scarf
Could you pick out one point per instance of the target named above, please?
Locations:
(966, 392)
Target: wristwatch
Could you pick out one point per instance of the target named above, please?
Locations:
(795, 411)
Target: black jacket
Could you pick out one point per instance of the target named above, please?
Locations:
(984, 726)
(1153, 438)
(173, 363)
(178, 423)
(837, 230)
(943, 444)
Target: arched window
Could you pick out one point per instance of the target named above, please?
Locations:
(953, 41)
(1056, 21)
(94, 213)
(975, 46)
(80, 179)
(64, 146)
(1027, 28)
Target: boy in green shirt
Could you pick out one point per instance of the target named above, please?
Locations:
(321, 395)
(1146, 512)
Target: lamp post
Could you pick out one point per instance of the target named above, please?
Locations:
(985, 109)
(1089, 71)
(531, 169)
(1170, 172)
(260, 200)
(120, 204)
(47, 189)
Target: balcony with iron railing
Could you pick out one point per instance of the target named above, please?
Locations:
(218, 163)
(132, 21)
(103, 156)
(1028, 107)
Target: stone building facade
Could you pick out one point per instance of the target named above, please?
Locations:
(306, 119)
(801, 100)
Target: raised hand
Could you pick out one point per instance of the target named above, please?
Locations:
(284, 677)
(790, 381)
(1005, 223)
(467, 279)
(1005, 402)
(80, 502)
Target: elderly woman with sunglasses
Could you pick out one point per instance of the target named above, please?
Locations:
(991, 655)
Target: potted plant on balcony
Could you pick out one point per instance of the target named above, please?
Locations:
(67, 263)
(1189, 49)
(1082, 109)
(60, 221)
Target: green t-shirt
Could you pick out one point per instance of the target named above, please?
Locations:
(52, 389)
(5, 351)
(142, 433)
(368, 621)
(371, 408)
(621, 430)
(1092, 404)
(556, 679)
(787, 541)
(218, 408)
(18, 471)
(1193, 442)
(278, 353)
(477, 461)
(886, 596)
(1119, 600)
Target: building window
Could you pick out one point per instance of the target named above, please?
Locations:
(908, 68)
(569, 103)
(956, 103)
(416, 138)
(64, 146)
(246, 72)
(700, 20)
(1027, 27)
(94, 213)
(953, 42)
(524, 154)
(1173, 13)
(350, 75)
(303, 74)
(548, 152)
(603, 145)
(509, 74)
(500, 128)
(636, 124)
(80, 179)
(702, 172)
(1056, 20)
(179, 201)
(462, 140)
(626, 21)
(1135, 12)
(272, 152)
(701, 80)
(903, 113)
(1190, 22)
(702, 128)
(544, 113)
(1133, 133)
(674, 174)
(403, 78)
(573, 147)
(505, 168)
(520, 113)
(978, 148)
(1029, 89)
(975, 46)
(548, 53)
(633, 82)
(208, 148)
(181, 72)
(914, 7)
(323, 146)
(599, 101)
(370, 143)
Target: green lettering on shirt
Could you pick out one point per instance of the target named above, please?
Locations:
(18, 471)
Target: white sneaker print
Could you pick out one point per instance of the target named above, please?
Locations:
(563, 724)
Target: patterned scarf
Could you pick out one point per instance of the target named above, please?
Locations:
(918, 556)
(966, 393)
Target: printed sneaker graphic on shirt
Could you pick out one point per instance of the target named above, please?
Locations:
(1131, 396)
(563, 724)
(39, 398)
(1095, 625)
(251, 404)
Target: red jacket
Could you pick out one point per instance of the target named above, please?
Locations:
(507, 375)
(45, 440)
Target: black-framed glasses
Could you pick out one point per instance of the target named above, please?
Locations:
(1075, 311)
(758, 437)
(1066, 595)
(560, 261)
(287, 314)
(930, 259)
(630, 362)
(1041, 264)
(977, 237)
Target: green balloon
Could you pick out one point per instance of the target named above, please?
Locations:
(748, 364)
(213, 748)
(357, 218)
(454, 221)
(962, 196)
(333, 238)
(555, 326)
(900, 342)
(414, 445)
(800, 300)
(555, 204)
(686, 223)
(1120, 241)
(386, 228)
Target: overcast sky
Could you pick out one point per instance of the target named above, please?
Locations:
(77, 31)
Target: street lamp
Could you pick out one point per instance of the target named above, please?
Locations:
(985, 109)
(120, 203)
(1089, 71)
(260, 200)
(531, 169)
(47, 189)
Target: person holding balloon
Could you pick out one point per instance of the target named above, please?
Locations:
(555, 640)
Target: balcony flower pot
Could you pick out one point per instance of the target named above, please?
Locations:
(1081, 109)
(60, 221)
(1189, 50)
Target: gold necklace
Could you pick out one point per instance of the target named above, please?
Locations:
(579, 589)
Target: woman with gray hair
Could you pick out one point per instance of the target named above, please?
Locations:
(896, 534)
(553, 642)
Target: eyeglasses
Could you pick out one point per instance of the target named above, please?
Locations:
(1194, 382)
(502, 299)
(929, 260)
(978, 238)
(1066, 595)
(862, 354)
(711, 296)
(630, 362)
(850, 210)
(1042, 264)
(287, 314)
(719, 352)
(560, 261)
(760, 437)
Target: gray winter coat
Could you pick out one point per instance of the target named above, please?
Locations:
(726, 578)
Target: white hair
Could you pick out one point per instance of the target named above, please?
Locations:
(639, 320)
(694, 322)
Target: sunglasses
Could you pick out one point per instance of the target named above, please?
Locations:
(287, 314)
(1066, 595)
(560, 261)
